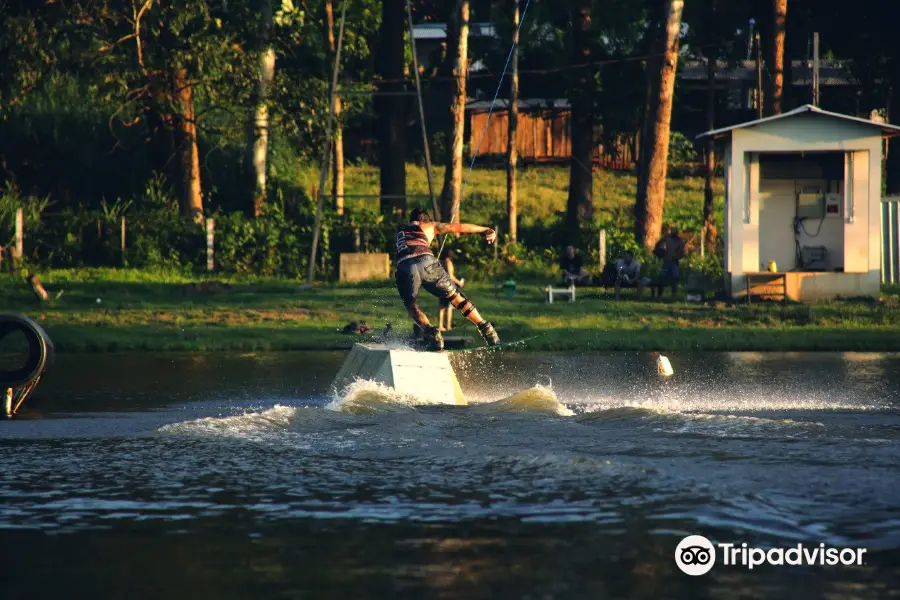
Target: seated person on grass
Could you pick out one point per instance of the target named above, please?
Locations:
(572, 270)
(628, 274)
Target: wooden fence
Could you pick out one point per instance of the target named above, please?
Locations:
(543, 136)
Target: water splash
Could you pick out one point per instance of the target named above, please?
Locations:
(537, 399)
(245, 425)
(365, 397)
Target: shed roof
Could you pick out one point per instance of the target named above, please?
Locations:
(887, 130)
(524, 104)
(831, 72)
(438, 31)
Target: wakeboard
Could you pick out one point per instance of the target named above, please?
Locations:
(486, 348)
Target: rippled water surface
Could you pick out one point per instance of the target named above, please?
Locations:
(567, 476)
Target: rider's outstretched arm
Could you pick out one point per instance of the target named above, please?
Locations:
(443, 228)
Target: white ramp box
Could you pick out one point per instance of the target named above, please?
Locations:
(426, 375)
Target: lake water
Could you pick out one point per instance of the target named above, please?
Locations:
(227, 476)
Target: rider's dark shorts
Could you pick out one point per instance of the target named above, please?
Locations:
(422, 271)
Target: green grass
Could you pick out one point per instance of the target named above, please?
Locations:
(542, 191)
(160, 311)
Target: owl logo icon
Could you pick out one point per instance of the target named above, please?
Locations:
(695, 555)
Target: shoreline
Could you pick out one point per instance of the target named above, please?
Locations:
(138, 315)
(761, 340)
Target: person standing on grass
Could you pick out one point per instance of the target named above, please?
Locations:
(671, 250)
(445, 311)
(418, 268)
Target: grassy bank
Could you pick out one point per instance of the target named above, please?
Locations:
(542, 191)
(144, 311)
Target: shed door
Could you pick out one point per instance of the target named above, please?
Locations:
(856, 212)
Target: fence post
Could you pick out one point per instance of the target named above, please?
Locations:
(20, 237)
(210, 236)
(496, 242)
(122, 236)
(602, 250)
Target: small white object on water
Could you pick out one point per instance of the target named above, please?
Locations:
(98, 300)
(664, 367)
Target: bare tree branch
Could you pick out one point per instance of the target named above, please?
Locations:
(137, 30)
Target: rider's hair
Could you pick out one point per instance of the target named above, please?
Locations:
(420, 214)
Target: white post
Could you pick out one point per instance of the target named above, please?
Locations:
(20, 234)
(122, 236)
(496, 242)
(7, 402)
(602, 250)
(210, 235)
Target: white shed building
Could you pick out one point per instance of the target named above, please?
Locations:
(803, 205)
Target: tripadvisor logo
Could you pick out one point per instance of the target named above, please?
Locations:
(696, 555)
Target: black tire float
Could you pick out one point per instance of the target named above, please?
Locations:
(40, 351)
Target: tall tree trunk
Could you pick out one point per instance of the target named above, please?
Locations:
(580, 204)
(650, 204)
(655, 43)
(337, 152)
(511, 150)
(777, 71)
(186, 146)
(258, 132)
(711, 57)
(450, 194)
(391, 110)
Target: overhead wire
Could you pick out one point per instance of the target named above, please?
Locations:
(512, 49)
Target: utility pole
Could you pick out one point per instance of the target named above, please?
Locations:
(815, 81)
(750, 38)
(759, 84)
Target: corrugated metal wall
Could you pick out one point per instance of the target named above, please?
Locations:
(890, 240)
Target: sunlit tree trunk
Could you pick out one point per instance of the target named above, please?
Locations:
(511, 150)
(775, 97)
(337, 152)
(186, 146)
(580, 203)
(258, 132)
(655, 34)
(649, 208)
(391, 110)
(450, 194)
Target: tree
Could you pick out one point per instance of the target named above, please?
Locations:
(513, 123)
(391, 109)
(875, 60)
(337, 153)
(712, 55)
(450, 194)
(29, 49)
(258, 131)
(656, 27)
(651, 195)
(185, 120)
(777, 71)
(580, 203)
(159, 59)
